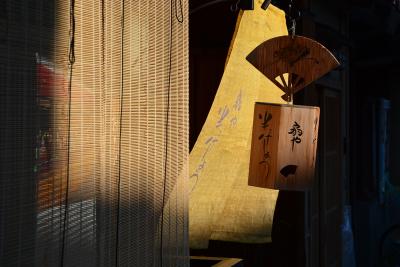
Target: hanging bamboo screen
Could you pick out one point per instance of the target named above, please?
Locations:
(94, 135)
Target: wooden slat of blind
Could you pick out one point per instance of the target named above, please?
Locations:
(147, 83)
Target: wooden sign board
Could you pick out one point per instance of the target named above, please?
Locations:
(283, 148)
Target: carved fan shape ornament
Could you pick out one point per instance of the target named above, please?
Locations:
(292, 62)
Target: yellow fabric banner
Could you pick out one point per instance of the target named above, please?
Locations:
(222, 206)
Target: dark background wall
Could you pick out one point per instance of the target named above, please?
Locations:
(365, 37)
(25, 29)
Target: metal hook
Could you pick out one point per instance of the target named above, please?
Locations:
(235, 7)
(292, 16)
(292, 29)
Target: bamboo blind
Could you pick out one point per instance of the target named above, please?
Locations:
(94, 135)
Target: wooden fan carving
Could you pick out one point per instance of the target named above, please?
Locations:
(292, 62)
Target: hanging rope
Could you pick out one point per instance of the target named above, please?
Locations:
(120, 135)
(179, 20)
(71, 61)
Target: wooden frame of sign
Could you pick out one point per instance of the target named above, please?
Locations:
(283, 148)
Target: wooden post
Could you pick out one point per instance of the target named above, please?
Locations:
(284, 144)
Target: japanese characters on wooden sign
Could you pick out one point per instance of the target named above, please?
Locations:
(283, 149)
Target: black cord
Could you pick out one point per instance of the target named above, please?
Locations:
(71, 58)
(120, 135)
(102, 38)
(211, 3)
(99, 223)
(180, 20)
(179, 17)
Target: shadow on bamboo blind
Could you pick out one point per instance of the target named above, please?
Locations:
(94, 133)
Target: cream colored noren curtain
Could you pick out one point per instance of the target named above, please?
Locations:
(222, 205)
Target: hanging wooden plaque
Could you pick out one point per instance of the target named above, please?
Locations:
(283, 148)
